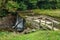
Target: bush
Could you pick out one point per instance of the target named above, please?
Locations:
(3, 12)
(12, 6)
(22, 6)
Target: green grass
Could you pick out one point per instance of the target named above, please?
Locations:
(39, 35)
(53, 13)
(49, 12)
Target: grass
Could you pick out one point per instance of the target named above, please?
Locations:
(53, 13)
(49, 12)
(39, 35)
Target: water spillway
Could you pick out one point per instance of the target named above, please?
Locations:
(19, 25)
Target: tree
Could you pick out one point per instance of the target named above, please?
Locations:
(12, 6)
(2, 7)
(32, 4)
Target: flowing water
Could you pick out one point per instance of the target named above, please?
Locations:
(19, 26)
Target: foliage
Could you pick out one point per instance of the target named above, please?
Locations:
(14, 5)
(32, 4)
(3, 12)
(22, 6)
(0, 3)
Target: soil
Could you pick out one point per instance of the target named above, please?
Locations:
(7, 22)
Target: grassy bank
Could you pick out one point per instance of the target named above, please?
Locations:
(49, 12)
(53, 13)
(40, 35)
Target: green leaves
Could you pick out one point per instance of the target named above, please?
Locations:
(12, 6)
(0, 3)
(22, 6)
(33, 1)
(3, 12)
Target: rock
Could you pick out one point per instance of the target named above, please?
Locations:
(33, 30)
(33, 23)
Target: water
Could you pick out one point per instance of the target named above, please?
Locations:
(19, 26)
